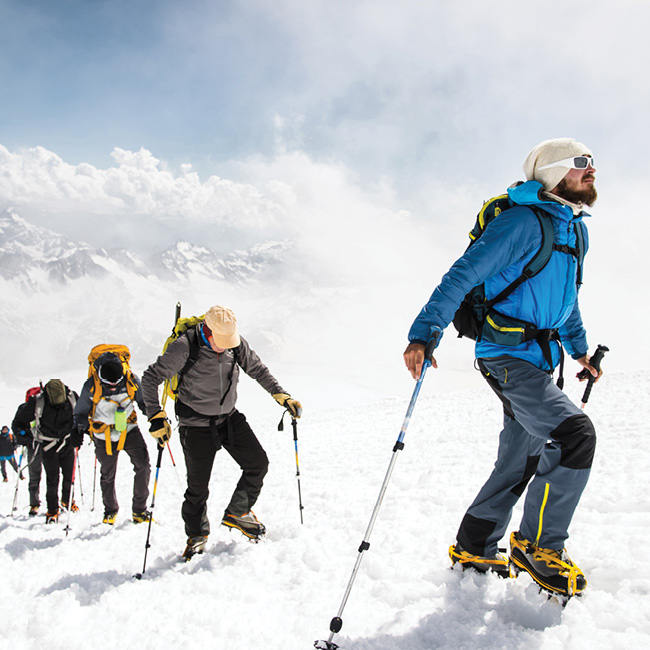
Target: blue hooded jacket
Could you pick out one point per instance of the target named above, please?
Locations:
(549, 300)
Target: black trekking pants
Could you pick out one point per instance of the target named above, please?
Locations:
(200, 445)
(55, 462)
(12, 462)
(35, 469)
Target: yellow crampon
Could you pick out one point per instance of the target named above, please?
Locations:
(463, 557)
(554, 560)
(557, 560)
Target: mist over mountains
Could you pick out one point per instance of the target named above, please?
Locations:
(35, 256)
(62, 296)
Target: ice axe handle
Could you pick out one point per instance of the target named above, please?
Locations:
(594, 361)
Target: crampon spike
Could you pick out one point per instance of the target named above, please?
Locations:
(325, 645)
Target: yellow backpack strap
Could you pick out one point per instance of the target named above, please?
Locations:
(97, 391)
(102, 427)
(131, 386)
(122, 440)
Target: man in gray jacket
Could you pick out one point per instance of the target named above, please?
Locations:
(207, 359)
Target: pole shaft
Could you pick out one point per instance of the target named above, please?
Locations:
(294, 426)
(20, 462)
(71, 497)
(153, 503)
(365, 544)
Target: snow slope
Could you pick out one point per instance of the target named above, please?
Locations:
(79, 591)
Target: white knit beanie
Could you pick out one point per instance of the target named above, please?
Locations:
(548, 152)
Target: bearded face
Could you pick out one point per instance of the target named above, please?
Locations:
(578, 187)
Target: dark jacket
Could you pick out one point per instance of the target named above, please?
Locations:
(6, 445)
(55, 421)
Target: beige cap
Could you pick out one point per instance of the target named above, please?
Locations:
(548, 152)
(223, 325)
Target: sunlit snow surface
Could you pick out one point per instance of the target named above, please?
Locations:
(79, 591)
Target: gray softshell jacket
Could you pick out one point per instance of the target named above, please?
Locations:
(205, 383)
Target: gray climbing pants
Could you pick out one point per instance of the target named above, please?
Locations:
(546, 438)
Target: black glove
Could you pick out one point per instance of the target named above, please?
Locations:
(76, 439)
(23, 438)
(77, 436)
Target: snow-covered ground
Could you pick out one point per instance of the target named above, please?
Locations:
(79, 591)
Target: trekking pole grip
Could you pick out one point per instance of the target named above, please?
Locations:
(430, 347)
(595, 362)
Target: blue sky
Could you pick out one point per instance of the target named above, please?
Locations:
(404, 90)
(83, 77)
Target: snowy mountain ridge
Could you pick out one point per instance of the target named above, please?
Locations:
(35, 257)
(75, 296)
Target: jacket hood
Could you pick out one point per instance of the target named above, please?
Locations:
(528, 193)
(533, 193)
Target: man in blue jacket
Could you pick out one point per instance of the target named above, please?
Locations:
(545, 437)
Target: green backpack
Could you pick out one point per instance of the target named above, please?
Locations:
(183, 326)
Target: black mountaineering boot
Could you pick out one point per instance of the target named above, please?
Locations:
(248, 524)
(195, 546)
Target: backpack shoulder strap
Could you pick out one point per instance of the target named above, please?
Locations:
(38, 411)
(195, 348)
(543, 255)
(538, 261)
(579, 228)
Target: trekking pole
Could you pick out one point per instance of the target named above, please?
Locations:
(176, 474)
(81, 487)
(594, 361)
(337, 622)
(20, 462)
(161, 448)
(163, 402)
(94, 483)
(294, 425)
(71, 498)
(169, 449)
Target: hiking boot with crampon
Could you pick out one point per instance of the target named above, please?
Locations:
(74, 507)
(109, 518)
(248, 524)
(141, 517)
(552, 570)
(52, 517)
(496, 563)
(195, 546)
(33, 511)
